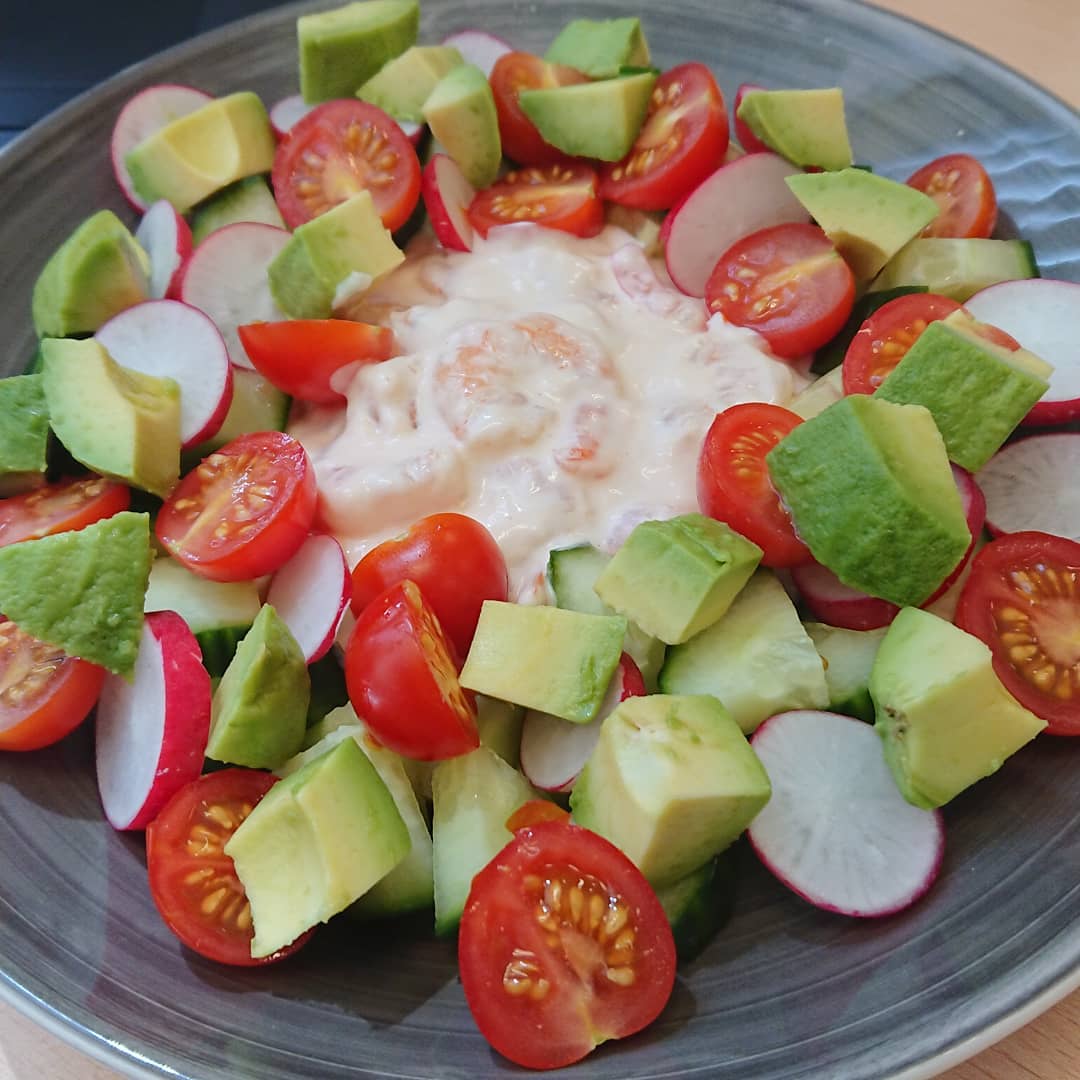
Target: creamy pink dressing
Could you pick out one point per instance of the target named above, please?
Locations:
(551, 387)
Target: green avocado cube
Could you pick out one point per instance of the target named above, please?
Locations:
(600, 48)
(674, 578)
(461, 113)
(807, 127)
(82, 591)
(545, 658)
(24, 434)
(406, 82)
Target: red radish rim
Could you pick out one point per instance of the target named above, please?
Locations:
(166, 238)
(447, 195)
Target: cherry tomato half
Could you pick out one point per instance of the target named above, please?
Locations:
(733, 480)
(44, 693)
(534, 812)
(788, 283)
(243, 511)
(684, 139)
(192, 880)
(964, 192)
(66, 506)
(555, 196)
(401, 674)
(1023, 600)
(562, 946)
(300, 356)
(340, 148)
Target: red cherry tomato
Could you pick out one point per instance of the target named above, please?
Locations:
(1022, 599)
(534, 812)
(65, 506)
(452, 558)
(401, 674)
(562, 946)
(733, 480)
(684, 139)
(339, 149)
(243, 511)
(192, 880)
(964, 192)
(555, 196)
(512, 73)
(788, 283)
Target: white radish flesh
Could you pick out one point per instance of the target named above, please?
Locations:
(479, 47)
(169, 338)
(287, 112)
(166, 237)
(836, 830)
(413, 131)
(447, 195)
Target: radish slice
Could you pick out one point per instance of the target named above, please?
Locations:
(837, 831)
(152, 732)
(166, 237)
(554, 751)
(166, 337)
(413, 131)
(310, 594)
(1044, 316)
(226, 278)
(747, 139)
(479, 47)
(1031, 484)
(287, 112)
(447, 195)
(148, 111)
(738, 199)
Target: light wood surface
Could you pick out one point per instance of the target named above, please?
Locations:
(1039, 38)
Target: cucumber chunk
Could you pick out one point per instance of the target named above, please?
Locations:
(698, 905)
(849, 656)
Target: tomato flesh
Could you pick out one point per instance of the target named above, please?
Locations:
(556, 196)
(192, 880)
(965, 195)
(66, 506)
(562, 946)
(1023, 600)
(534, 812)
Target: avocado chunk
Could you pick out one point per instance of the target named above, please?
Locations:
(545, 658)
(461, 114)
(757, 659)
(341, 49)
(316, 842)
(600, 47)
(943, 715)
(82, 591)
(671, 783)
(331, 258)
(805, 126)
(116, 421)
(868, 217)
(594, 120)
(848, 656)
(406, 82)
(871, 493)
(97, 272)
(259, 711)
(249, 199)
(674, 578)
(976, 391)
(24, 434)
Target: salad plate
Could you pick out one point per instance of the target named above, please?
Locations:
(786, 990)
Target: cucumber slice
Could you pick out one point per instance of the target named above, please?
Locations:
(698, 905)
(832, 355)
(849, 656)
(957, 268)
(249, 199)
(257, 405)
(499, 724)
(328, 691)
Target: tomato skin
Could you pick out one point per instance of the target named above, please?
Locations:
(963, 190)
(527, 997)
(183, 874)
(789, 283)
(50, 693)
(300, 356)
(244, 511)
(1050, 605)
(733, 481)
(401, 675)
(534, 812)
(452, 558)
(359, 148)
(683, 140)
(556, 196)
(66, 506)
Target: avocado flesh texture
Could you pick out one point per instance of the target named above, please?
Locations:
(342, 48)
(402, 87)
(93, 605)
(943, 715)
(601, 48)
(672, 782)
(976, 391)
(807, 127)
(24, 434)
(870, 490)
(97, 272)
(249, 199)
(316, 842)
(116, 421)
(545, 658)
(460, 111)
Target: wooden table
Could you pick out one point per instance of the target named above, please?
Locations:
(1037, 37)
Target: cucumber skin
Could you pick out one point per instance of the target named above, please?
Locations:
(700, 905)
(328, 690)
(1020, 264)
(218, 647)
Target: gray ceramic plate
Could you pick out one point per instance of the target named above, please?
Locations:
(787, 991)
